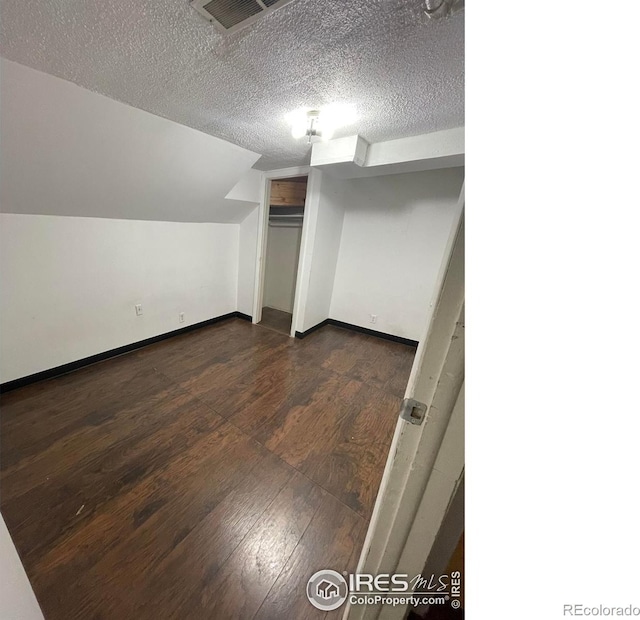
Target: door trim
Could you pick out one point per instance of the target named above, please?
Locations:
(263, 226)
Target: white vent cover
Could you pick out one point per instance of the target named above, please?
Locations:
(231, 15)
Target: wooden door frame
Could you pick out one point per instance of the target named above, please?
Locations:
(263, 227)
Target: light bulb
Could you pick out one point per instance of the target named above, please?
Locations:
(320, 123)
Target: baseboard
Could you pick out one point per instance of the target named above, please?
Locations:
(373, 332)
(312, 329)
(357, 328)
(100, 357)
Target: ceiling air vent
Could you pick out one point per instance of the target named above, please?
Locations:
(231, 15)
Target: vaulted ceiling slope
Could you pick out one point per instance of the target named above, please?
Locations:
(401, 71)
(65, 150)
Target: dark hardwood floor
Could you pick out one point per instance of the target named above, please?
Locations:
(276, 319)
(206, 476)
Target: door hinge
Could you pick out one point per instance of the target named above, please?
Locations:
(413, 411)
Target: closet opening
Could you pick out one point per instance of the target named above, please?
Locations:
(282, 253)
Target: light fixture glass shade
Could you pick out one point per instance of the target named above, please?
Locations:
(320, 123)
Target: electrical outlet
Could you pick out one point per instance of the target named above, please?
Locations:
(181, 317)
(138, 309)
(373, 318)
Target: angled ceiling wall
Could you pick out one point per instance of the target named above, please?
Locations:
(68, 151)
(403, 72)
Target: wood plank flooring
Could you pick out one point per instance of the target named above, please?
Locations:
(206, 476)
(276, 319)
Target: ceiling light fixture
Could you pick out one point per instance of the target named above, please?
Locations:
(320, 123)
(308, 126)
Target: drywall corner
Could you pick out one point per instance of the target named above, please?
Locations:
(324, 215)
(394, 233)
(248, 188)
(247, 252)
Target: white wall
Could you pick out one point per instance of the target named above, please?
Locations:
(17, 600)
(69, 151)
(324, 212)
(247, 251)
(393, 237)
(247, 191)
(69, 284)
(281, 268)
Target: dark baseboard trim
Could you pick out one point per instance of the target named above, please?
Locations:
(357, 328)
(304, 334)
(373, 332)
(100, 357)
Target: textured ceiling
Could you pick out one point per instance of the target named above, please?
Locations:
(401, 71)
